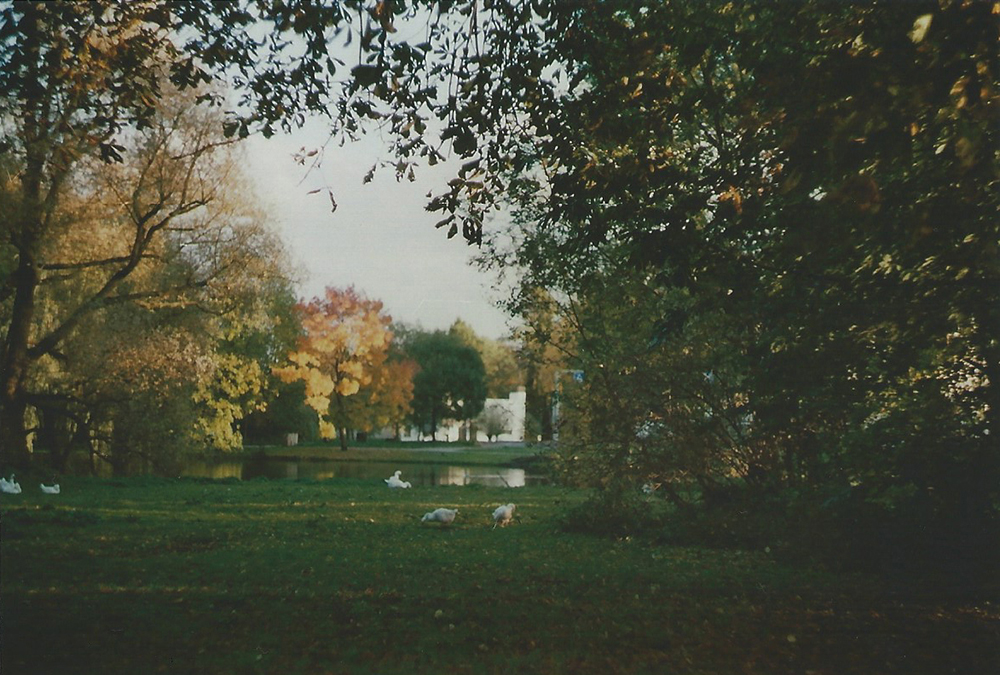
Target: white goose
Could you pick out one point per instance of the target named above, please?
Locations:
(503, 515)
(445, 516)
(10, 487)
(394, 481)
(50, 489)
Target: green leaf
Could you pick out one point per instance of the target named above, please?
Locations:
(366, 75)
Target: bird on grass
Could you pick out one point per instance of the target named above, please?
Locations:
(445, 516)
(11, 486)
(394, 481)
(50, 489)
(503, 515)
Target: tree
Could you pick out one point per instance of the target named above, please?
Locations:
(545, 347)
(60, 118)
(450, 383)
(56, 116)
(137, 405)
(163, 243)
(387, 401)
(795, 201)
(503, 375)
(494, 420)
(343, 359)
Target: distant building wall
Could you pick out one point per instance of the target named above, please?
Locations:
(513, 409)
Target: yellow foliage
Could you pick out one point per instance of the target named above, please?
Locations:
(318, 383)
(348, 387)
(303, 359)
(286, 374)
(318, 403)
(343, 359)
(352, 369)
(327, 430)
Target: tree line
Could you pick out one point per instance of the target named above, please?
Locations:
(360, 373)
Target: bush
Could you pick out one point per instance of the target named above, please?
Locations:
(617, 512)
(839, 529)
(907, 537)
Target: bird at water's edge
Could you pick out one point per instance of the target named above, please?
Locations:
(394, 481)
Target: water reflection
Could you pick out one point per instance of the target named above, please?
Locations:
(419, 475)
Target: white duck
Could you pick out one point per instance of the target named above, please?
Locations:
(445, 516)
(503, 515)
(50, 489)
(10, 487)
(394, 481)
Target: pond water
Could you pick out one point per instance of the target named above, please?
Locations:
(418, 474)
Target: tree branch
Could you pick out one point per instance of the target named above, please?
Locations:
(94, 263)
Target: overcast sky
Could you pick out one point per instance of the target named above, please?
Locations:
(380, 239)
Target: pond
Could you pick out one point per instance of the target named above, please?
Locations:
(416, 473)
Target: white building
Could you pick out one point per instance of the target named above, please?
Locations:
(507, 413)
(504, 414)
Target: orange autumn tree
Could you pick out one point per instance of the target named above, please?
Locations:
(344, 360)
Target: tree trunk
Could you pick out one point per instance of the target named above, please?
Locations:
(14, 368)
(26, 237)
(60, 434)
(13, 439)
(341, 418)
(119, 454)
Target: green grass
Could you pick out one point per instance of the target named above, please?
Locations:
(191, 576)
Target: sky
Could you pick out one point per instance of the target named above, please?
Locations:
(380, 239)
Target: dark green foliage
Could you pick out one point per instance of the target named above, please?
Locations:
(285, 413)
(451, 381)
(615, 512)
(769, 231)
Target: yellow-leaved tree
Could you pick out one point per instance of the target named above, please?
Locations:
(344, 360)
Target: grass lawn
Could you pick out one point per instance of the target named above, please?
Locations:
(147, 575)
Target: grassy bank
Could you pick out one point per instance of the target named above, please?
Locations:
(492, 455)
(187, 576)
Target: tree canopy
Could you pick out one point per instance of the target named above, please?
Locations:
(771, 230)
(450, 382)
(344, 360)
(503, 374)
(146, 275)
